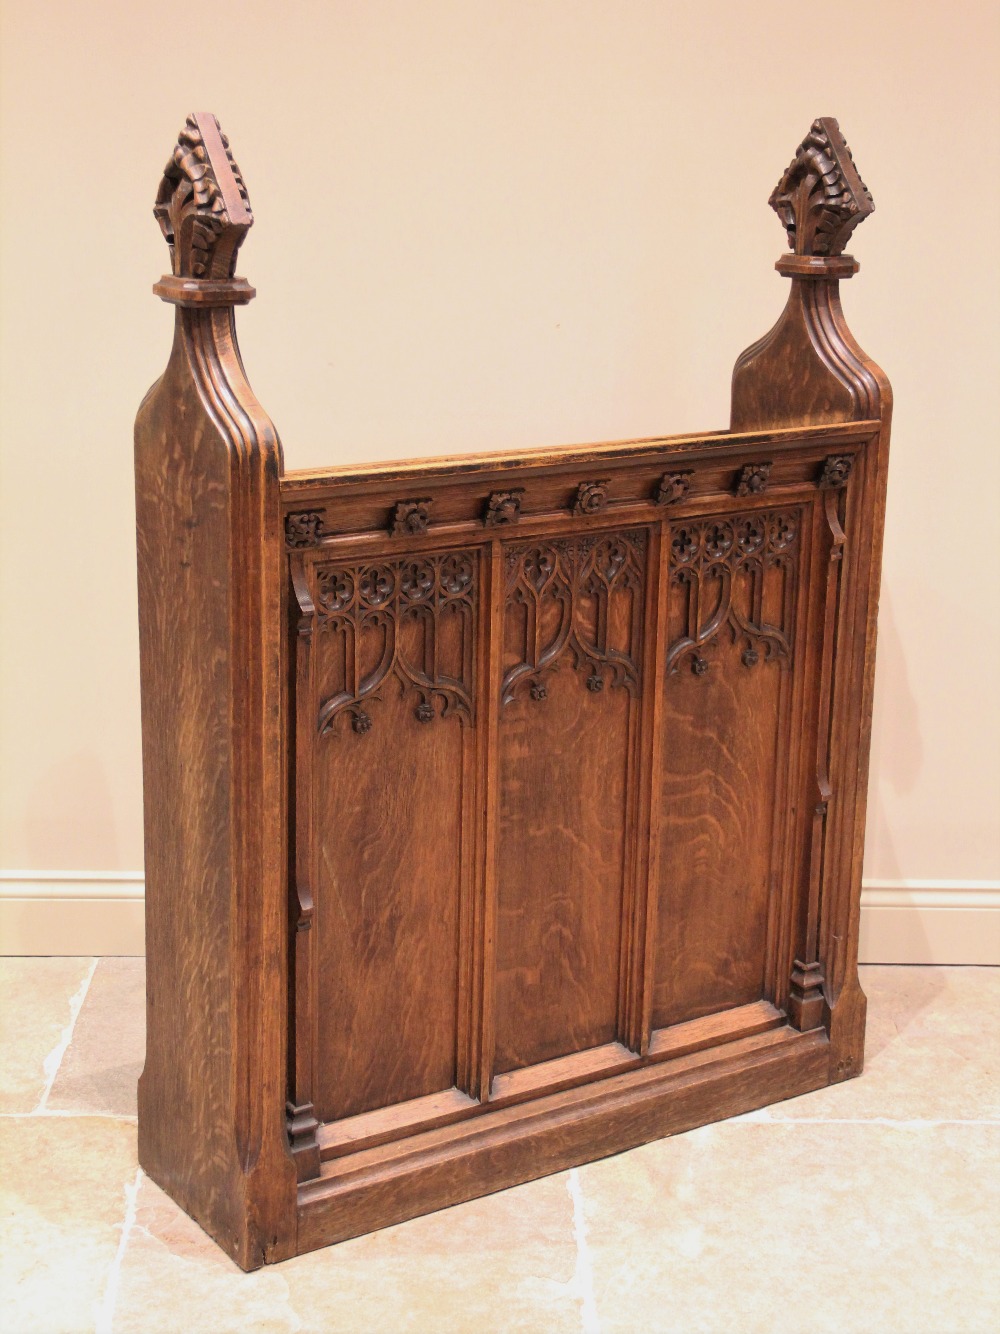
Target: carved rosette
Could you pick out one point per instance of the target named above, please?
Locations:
(410, 517)
(580, 596)
(821, 198)
(720, 567)
(202, 204)
(390, 617)
(752, 479)
(673, 487)
(305, 528)
(503, 507)
(591, 497)
(835, 472)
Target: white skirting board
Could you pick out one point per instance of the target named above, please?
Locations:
(95, 912)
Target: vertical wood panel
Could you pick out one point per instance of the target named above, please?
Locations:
(489, 728)
(562, 780)
(389, 757)
(389, 808)
(647, 817)
(567, 771)
(715, 860)
(723, 811)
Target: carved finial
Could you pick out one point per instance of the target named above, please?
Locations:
(821, 198)
(202, 204)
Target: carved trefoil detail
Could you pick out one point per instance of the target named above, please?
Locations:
(735, 574)
(580, 596)
(410, 620)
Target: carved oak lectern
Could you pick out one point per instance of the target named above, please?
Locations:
(502, 811)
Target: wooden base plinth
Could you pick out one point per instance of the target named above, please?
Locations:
(394, 1182)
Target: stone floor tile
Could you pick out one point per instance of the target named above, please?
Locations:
(105, 1057)
(844, 1209)
(35, 1009)
(782, 1226)
(506, 1262)
(929, 1002)
(503, 1263)
(928, 1053)
(62, 1195)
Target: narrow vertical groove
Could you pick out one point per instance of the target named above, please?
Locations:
(836, 857)
(785, 816)
(833, 614)
(475, 757)
(651, 748)
(785, 899)
(491, 816)
(303, 920)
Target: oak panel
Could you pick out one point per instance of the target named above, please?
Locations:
(562, 848)
(386, 917)
(571, 651)
(716, 812)
(391, 711)
(731, 611)
(552, 803)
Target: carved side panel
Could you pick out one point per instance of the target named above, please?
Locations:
(570, 692)
(407, 621)
(390, 772)
(734, 583)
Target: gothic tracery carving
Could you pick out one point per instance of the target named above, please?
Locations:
(389, 617)
(561, 594)
(721, 565)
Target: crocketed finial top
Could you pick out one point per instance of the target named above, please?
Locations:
(821, 198)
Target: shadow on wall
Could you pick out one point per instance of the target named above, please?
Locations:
(897, 757)
(70, 820)
(897, 748)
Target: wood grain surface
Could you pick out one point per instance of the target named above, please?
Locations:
(502, 811)
(561, 877)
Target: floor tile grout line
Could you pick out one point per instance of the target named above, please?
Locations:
(105, 1313)
(583, 1273)
(55, 1056)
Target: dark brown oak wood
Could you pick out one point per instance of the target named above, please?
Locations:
(504, 810)
(213, 665)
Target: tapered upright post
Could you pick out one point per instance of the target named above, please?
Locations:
(809, 370)
(208, 463)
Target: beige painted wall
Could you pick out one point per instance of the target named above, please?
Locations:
(480, 225)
